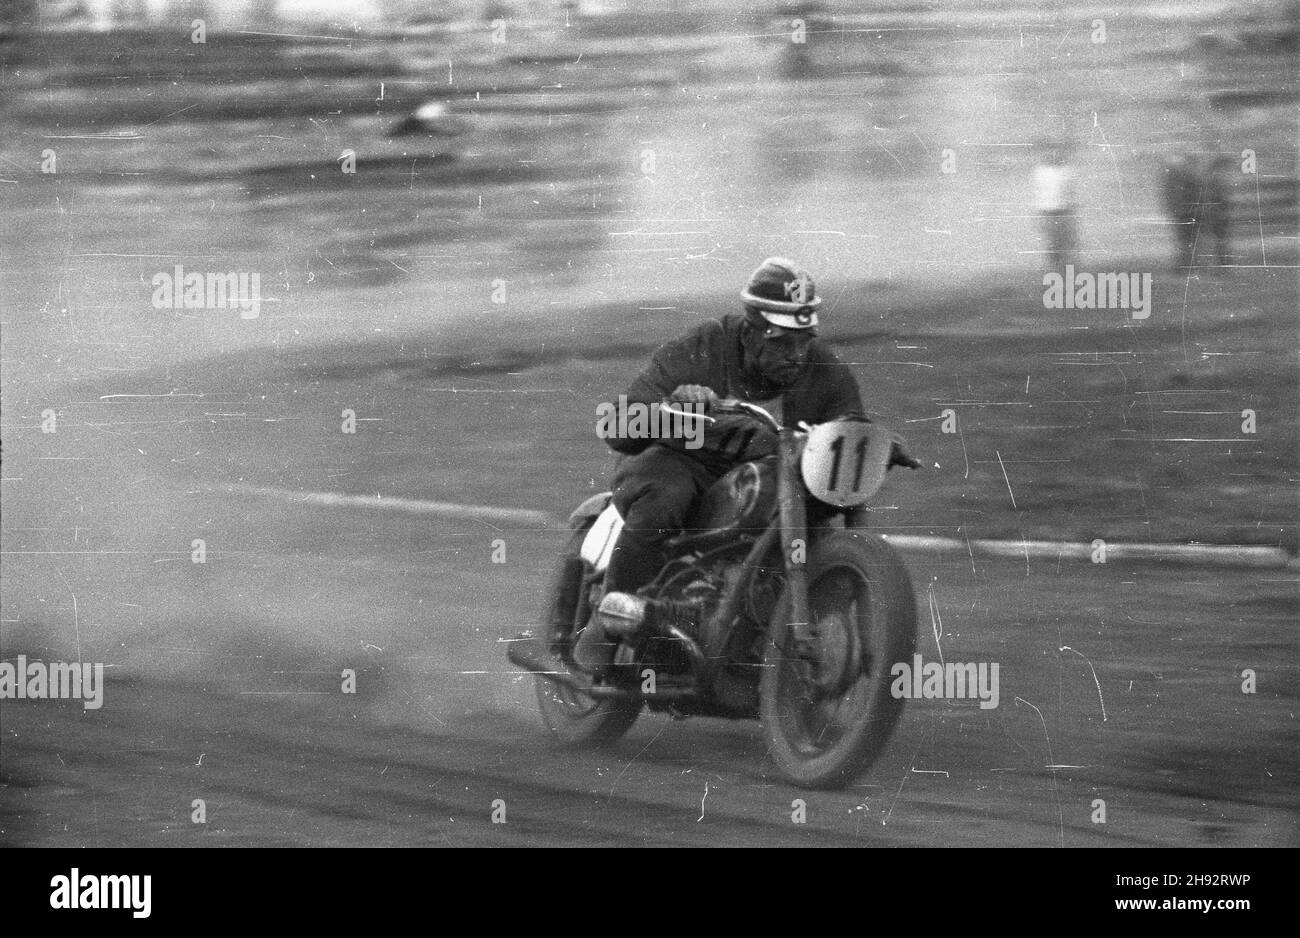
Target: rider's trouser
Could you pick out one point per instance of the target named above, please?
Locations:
(654, 491)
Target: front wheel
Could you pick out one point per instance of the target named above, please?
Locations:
(573, 717)
(824, 696)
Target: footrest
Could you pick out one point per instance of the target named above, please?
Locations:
(532, 654)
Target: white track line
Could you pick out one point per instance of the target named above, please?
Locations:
(1215, 555)
(416, 506)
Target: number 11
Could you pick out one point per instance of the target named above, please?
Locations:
(838, 449)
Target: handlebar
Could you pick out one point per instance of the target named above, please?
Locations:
(727, 406)
(898, 455)
(733, 406)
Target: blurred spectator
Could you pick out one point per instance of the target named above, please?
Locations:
(1178, 190)
(1215, 219)
(1197, 203)
(1054, 202)
(798, 23)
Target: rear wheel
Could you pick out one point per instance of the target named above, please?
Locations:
(824, 696)
(576, 718)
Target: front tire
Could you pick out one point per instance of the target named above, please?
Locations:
(575, 718)
(825, 704)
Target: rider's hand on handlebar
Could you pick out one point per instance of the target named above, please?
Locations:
(694, 394)
(899, 456)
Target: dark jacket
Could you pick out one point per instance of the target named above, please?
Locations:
(711, 355)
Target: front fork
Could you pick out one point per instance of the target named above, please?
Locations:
(794, 534)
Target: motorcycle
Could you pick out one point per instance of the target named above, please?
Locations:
(799, 612)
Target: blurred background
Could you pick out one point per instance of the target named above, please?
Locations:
(604, 151)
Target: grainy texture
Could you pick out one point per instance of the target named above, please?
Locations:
(450, 236)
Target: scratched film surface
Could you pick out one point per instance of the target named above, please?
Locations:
(296, 513)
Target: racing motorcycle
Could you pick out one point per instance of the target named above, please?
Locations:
(784, 609)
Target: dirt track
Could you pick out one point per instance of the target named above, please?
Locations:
(225, 675)
(441, 726)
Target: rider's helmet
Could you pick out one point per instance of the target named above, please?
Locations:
(782, 293)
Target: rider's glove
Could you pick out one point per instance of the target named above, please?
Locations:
(738, 438)
(694, 394)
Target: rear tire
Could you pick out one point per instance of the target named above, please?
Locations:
(827, 710)
(575, 718)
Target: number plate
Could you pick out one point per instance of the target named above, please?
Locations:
(844, 461)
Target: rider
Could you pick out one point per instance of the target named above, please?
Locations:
(768, 355)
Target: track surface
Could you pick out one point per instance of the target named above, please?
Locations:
(1119, 683)
(419, 755)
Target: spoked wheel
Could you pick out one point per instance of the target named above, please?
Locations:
(573, 717)
(825, 692)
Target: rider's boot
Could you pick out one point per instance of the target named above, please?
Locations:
(635, 561)
(594, 647)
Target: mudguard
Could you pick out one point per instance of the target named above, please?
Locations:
(589, 509)
(598, 545)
